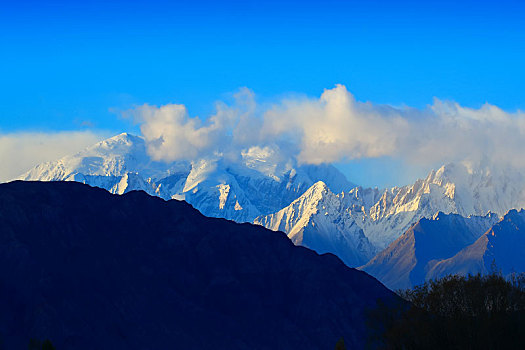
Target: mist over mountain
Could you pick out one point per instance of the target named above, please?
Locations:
(259, 183)
(89, 269)
(333, 215)
(336, 127)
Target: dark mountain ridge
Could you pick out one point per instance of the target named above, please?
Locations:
(406, 261)
(88, 269)
(501, 247)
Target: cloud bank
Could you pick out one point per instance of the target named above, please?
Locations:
(337, 127)
(21, 151)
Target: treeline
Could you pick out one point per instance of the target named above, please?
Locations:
(455, 312)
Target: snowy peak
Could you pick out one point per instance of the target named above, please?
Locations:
(317, 192)
(120, 143)
(293, 218)
(454, 188)
(297, 199)
(258, 183)
(450, 173)
(112, 157)
(384, 215)
(318, 220)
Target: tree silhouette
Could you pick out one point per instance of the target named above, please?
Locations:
(46, 345)
(455, 312)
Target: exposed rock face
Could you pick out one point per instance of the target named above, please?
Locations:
(384, 215)
(454, 188)
(503, 245)
(406, 261)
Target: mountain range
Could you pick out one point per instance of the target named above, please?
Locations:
(315, 205)
(501, 248)
(93, 270)
(452, 244)
(239, 189)
(407, 261)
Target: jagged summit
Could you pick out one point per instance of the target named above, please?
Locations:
(384, 215)
(454, 188)
(317, 190)
(124, 137)
(318, 220)
(257, 183)
(297, 199)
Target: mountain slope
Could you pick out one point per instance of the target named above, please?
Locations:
(384, 215)
(258, 183)
(406, 261)
(454, 188)
(88, 269)
(503, 244)
(318, 220)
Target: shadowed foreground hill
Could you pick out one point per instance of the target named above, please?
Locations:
(91, 270)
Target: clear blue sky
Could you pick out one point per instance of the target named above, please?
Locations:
(66, 65)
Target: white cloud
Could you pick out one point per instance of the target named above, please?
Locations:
(336, 127)
(21, 151)
(332, 128)
(171, 134)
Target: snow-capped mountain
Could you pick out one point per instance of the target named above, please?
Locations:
(407, 260)
(354, 224)
(386, 214)
(503, 245)
(454, 188)
(239, 189)
(119, 164)
(320, 220)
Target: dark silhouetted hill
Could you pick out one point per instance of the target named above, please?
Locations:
(91, 270)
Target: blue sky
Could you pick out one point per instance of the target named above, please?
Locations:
(71, 66)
